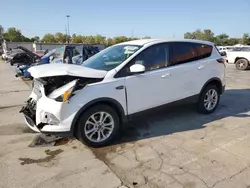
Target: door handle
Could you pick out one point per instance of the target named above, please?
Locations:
(119, 87)
(201, 67)
(166, 75)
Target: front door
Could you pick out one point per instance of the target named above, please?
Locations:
(154, 87)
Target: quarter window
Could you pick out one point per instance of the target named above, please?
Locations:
(183, 52)
(204, 50)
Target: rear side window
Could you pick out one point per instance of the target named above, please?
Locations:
(183, 52)
(204, 50)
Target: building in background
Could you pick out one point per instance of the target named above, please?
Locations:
(38, 47)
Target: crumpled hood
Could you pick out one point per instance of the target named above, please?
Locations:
(48, 70)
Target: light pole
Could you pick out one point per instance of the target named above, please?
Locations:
(68, 26)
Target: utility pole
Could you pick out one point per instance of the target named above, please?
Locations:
(68, 27)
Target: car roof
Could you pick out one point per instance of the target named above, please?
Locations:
(142, 42)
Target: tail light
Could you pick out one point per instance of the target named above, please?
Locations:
(221, 60)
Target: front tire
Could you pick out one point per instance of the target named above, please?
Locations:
(209, 99)
(241, 64)
(98, 126)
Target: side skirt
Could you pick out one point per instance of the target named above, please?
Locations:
(189, 100)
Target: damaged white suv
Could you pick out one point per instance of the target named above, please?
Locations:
(91, 101)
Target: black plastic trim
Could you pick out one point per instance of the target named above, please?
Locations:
(189, 100)
(67, 134)
(211, 80)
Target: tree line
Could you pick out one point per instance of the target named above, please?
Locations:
(15, 35)
(219, 40)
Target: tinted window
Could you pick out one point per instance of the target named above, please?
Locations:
(204, 50)
(75, 52)
(183, 52)
(154, 57)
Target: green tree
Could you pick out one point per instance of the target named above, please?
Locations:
(99, 39)
(245, 39)
(60, 37)
(208, 35)
(146, 37)
(76, 38)
(120, 39)
(25, 39)
(109, 42)
(221, 40)
(49, 38)
(233, 41)
(13, 34)
(134, 38)
(36, 38)
(90, 39)
(198, 34)
(189, 35)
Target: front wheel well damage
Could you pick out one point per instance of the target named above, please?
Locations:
(112, 103)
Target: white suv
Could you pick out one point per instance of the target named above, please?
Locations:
(91, 101)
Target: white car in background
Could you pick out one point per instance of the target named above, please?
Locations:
(241, 59)
(92, 101)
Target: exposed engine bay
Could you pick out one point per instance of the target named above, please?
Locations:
(52, 83)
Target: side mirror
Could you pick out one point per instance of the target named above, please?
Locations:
(137, 68)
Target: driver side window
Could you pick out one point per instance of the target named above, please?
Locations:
(154, 57)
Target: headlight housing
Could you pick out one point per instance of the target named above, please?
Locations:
(64, 93)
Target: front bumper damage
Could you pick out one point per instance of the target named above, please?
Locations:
(30, 114)
(46, 115)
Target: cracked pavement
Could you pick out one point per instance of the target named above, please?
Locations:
(69, 165)
(174, 147)
(179, 148)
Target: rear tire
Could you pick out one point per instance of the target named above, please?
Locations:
(241, 64)
(209, 99)
(98, 126)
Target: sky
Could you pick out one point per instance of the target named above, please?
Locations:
(138, 18)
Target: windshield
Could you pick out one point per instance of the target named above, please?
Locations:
(56, 53)
(111, 57)
(49, 53)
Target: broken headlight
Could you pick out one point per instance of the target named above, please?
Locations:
(63, 93)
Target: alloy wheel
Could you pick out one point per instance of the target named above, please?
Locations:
(99, 126)
(211, 99)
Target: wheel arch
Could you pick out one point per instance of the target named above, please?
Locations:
(108, 101)
(237, 58)
(215, 81)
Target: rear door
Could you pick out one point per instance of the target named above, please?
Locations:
(208, 67)
(185, 69)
